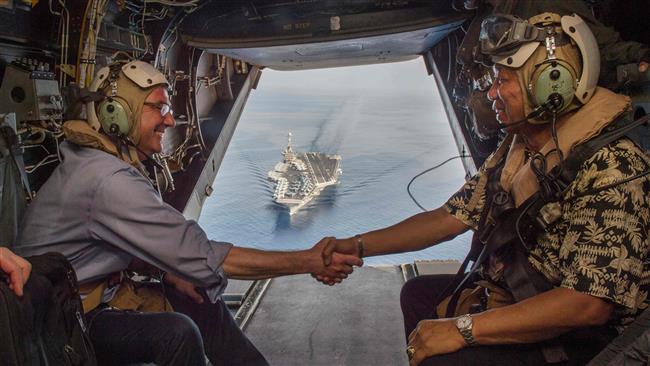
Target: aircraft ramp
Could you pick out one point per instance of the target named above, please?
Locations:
(295, 320)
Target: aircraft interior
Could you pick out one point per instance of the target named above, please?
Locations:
(215, 53)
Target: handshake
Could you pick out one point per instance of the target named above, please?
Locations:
(335, 258)
(330, 261)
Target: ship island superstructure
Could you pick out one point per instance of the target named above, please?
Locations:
(301, 177)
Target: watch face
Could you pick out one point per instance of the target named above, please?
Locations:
(464, 322)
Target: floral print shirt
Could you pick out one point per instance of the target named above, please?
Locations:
(599, 245)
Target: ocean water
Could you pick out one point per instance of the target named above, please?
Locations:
(384, 138)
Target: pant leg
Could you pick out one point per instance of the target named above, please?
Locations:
(225, 344)
(125, 337)
(511, 355)
(579, 351)
(418, 299)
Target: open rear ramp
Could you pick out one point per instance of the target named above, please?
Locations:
(358, 322)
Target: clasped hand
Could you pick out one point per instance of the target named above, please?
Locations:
(338, 258)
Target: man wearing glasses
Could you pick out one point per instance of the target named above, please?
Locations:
(101, 210)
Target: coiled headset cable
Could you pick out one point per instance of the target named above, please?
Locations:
(408, 186)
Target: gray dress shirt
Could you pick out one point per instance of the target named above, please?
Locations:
(100, 212)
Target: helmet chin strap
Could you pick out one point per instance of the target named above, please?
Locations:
(130, 143)
(133, 149)
(127, 141)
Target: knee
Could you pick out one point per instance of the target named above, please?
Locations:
(183, 329)
(410, 291)
(182, 342)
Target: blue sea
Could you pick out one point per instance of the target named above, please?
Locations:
(384, 137)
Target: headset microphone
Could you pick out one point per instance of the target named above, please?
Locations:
(534, 114)
(553, 104)
(503, 127)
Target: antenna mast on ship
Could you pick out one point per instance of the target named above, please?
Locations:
(288, 151)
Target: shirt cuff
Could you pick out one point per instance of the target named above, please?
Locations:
(215, 257)
(214, 292)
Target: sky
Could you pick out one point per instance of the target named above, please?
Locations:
(406, 75)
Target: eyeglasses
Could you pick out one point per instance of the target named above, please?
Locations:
(164, 108)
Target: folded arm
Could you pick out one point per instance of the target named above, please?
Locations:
(538, 318)
(541, 317)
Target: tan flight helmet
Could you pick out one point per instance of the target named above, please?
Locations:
(556, 60)
(125, 87)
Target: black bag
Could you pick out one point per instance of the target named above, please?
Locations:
(46, 325)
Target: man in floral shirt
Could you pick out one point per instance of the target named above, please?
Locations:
(598, 246)
(592, 250)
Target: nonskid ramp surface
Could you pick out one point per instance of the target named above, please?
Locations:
(359, 322)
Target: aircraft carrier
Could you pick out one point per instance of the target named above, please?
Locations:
(300, 177)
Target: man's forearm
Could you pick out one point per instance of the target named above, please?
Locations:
(251, 264)
(536, 319)
(415, 233)
(541, 317)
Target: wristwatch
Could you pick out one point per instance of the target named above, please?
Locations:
(464, 325)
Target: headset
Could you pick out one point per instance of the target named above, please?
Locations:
(113, 113)
(554, 83)
(553, 86)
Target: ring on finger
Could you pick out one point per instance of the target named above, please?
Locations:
(410, 351)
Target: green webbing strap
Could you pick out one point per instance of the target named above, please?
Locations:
(20, 166)
(10, 141)
(12, 196)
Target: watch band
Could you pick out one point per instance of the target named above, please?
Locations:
(464, 324)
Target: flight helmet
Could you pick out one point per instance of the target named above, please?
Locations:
(556, 59)
(125, 86)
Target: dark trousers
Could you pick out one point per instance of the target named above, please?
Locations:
(418, 298)
(183, 337)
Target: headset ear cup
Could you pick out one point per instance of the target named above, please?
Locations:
(114, 116)
(553, 78)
